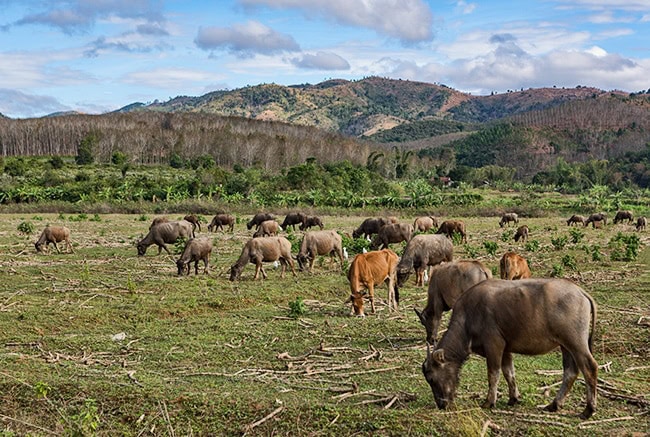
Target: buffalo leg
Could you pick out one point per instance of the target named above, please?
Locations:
(371, 296)
(493, 359)
(568, 378)
(508, 369)
(56, 247)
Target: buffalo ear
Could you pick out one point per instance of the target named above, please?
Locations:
(438, 356)
(420, 316)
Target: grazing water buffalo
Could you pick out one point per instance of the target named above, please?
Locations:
(258, 219)
(196, 249)
(594, 218)
(421, 252)
(521, 234)
(221, 220)
(196, 223)
(497, 318)
(165, 233)
(575, 219)
(641, 223)
(369, 270)
(513, 266)
(54, 234)
(311, 222)
(392, 233)
(319, 243)
(267, 228)
(259, 250)
(450, 227)
(292, 219)
(423, 224)
(509, 217)
(623, 215)
(369, 226)
(448, 281)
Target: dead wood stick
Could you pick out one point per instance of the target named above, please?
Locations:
(598, 422)
(384, 369)
(13, 419)
(392, 401)
(131, 375)
(491, 425)
(273, 413)
(166, 417)
(629, 399)
(631, 369)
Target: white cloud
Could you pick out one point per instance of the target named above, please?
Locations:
(15, 103)
(245, 39)
(410, 21)
(466, 8)
(321, 61)
(175, 79)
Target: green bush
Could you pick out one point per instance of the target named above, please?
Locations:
(85, 149)
(558, 271)
(624, 247)
(576, 235)
(25, 228)
(297, 308)
(491, 247)
(569, 261)
(559, 242)
(532, 246)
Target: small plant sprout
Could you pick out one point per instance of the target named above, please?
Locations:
(297, 308)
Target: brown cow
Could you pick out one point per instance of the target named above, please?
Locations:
(575, 219)
(497, 318)
(521, 234)
(641, 223)
(448, 281)
(513, 266)
(449, 227)
(369, 270)
(624, 215)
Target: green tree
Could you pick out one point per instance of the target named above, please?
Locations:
(85, 149)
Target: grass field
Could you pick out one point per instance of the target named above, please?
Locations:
(102, 342)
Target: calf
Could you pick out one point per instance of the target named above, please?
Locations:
(221, 220)
(521, 234)
(423, 224)
(497, 318)
(258, 219)
(368, 270)
(641, 223)
(310, 222)
(267, 228)
(513, 266)
(575, 219)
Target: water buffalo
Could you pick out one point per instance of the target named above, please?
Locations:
(369, 226)
(623, 215)
(165, 233)
(54, 234)
(258, 219)
(196, 249)
(221, 220)
(594, 218)
(319, 243)
(265, 249)
(641, 223)
(575, 219)
(311, 222)
(521, 234)
(497, 318)
(392, 233)
(509, 217)
(292, 219)
(423, 224)
(451, 227)
(421, 252)
(448, 281)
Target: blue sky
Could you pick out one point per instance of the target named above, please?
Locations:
(99, 55)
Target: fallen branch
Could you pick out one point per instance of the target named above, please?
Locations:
(22, 422)
(598, 422)
(272, 414)
(491, 425)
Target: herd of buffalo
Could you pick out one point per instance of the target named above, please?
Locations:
(491, 317)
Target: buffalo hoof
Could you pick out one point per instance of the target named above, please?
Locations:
(513, 401)
(552, 407)
(586, 414)
(488, 404)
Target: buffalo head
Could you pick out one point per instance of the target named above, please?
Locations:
(441, 376)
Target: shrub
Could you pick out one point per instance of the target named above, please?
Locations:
(532, 246)
(491, 247)
(25, 228)
(576, 235)
(559, 242)
(472, 251)
(354, 245)
(119, 158)
(297, 308)
(624, 247)
(457, 239)
(569, 261)
(179, 245)
(507, 235)
(85, 149)
(558, 271)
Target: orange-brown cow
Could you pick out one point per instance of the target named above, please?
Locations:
(369, 270)
(513, 266)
